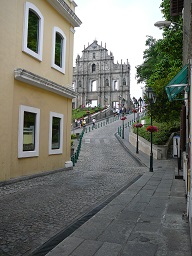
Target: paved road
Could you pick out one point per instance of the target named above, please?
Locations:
(33, 211)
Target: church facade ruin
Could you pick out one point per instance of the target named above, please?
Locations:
(99, 81)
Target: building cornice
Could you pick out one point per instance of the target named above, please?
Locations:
(43, 83)
(64, 9)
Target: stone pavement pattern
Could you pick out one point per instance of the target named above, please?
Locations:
(34, 210)
(146, 219)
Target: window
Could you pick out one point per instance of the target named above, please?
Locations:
(33, 31)
(116, 86)
(93, 55)
(56, 133)
(93, 86)
(124, 81)
(28, 135)
(59, 49)
(106, 82)
(93, 68)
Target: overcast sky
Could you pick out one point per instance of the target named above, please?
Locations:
(123, 25)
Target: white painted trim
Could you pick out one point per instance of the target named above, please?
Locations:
(62, 68)
(59, 150)
(22, 153)
(28, 77)
(72, 30)
(63, 8)
(25, 49)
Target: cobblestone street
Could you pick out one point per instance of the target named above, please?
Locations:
(34, 210)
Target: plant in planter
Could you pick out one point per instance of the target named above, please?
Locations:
(138, 125)
(73, 136)
(123, 119)
(152, 128)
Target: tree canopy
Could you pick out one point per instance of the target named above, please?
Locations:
(162, 61)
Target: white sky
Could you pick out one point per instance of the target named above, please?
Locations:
(123, 25)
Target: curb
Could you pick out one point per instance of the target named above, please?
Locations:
(129, 152)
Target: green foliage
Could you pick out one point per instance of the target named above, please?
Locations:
(162, 61)
(161, 137)
(82, 112)
(73, 136)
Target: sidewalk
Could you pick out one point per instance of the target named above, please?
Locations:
(146, 218)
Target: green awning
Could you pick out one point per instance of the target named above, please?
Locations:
(177, 84)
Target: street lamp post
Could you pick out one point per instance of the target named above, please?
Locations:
(105, 100)
(135, 110)
(120, 97)
(137, 125)
(123, 119)
(123, 103)
(137, 146)
(140, 103)
(152, 99)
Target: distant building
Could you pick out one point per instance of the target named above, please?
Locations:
(36, 76)
(98, 81)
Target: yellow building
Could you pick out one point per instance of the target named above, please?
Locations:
(36, 50)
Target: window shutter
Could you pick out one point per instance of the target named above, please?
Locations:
(176, 7)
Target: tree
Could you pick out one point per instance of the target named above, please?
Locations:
(162, 61)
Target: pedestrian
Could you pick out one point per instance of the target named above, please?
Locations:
(76, 124)
(94, 121)
(83, 123)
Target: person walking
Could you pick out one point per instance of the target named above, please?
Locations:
(76, 123)
(83, 123)
(94, 121)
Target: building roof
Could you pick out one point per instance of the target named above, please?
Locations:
(64, 9)
(94, 46)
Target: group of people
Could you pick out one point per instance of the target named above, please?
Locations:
(82, 123)
(119, 111)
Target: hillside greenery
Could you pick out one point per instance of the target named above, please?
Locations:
(165, 129)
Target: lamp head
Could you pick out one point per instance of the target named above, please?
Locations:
(161, 24)
(151, 95)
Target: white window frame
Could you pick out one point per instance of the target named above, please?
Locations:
(25, 49)
(53, 65)
(35, 152)
(59, 150)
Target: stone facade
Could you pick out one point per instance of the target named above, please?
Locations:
(99, 81)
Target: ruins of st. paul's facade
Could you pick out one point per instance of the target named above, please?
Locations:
(99, 81)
